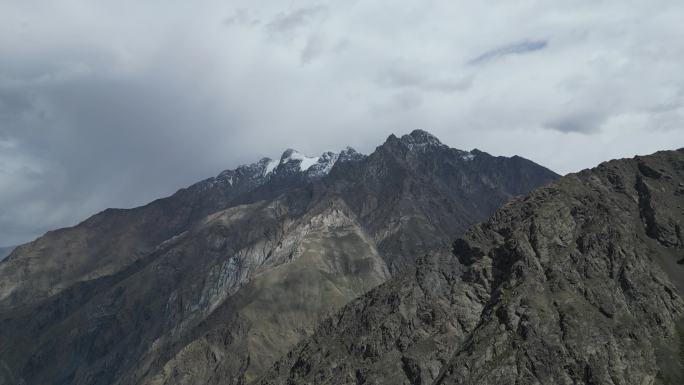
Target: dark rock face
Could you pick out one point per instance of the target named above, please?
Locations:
(577, 283)
(215, 283)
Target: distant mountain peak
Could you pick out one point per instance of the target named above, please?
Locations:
(350, 154)
(416, 140)
(289, 154)
(420, 138)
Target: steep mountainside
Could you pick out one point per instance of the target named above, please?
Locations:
(216, 282)
(580, 282)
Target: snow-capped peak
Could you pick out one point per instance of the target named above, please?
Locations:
(305, 162)
(291, 162)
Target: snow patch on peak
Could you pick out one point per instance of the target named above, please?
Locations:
(291, 161)
(304, 161)
(307, 163)
(324, 164)
(271, 166)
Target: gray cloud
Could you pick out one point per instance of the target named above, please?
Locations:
(317, 46)
(289, 21)
(115, 104)
(313, 49)
(404, 78)
(585, 122)
(242, 17)
(518, 48)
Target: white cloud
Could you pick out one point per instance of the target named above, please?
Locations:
(114, 104)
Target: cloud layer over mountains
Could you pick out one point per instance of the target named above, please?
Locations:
(114, 104)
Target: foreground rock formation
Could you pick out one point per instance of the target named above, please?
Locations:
(215, 283)
(579, 282)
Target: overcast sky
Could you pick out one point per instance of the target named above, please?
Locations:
(115, 103)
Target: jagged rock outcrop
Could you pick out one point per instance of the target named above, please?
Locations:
(216, 282)
(580, 282)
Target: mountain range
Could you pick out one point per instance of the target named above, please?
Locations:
(218, 281)
(415, 264)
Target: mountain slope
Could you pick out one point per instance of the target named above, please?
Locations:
(110, 241)
(578, 283)
(213, 284)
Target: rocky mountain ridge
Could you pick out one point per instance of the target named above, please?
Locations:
(216, 282)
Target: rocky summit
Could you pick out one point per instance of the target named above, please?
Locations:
(217, 282)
